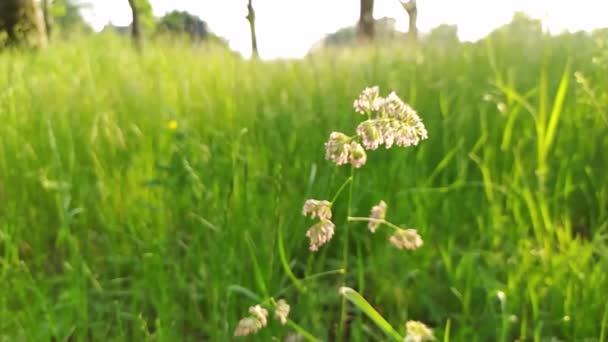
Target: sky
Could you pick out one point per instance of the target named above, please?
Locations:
(288, 28)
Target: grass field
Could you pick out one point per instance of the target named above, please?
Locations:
(116, 227)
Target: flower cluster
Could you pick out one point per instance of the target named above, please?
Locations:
(282, 311)
(369, 100)
(406, 238)
(390, 122)
(417, 332)
(377, 215)
(342, 149)
(401, 238)
(258, 318)
(395, 123)
(321, 232)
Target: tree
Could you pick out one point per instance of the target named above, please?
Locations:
(384, 30)
(66, 17)
(254, 39)
(135, 28)
(48, 19)
(178, 23)
(412, 11)
(181, 22)
(21, 23)
(366, 20)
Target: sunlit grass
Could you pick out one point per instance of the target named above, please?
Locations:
(134, 191)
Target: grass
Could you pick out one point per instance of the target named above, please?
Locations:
(115, 227)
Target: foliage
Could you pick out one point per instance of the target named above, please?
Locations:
(384, 30)
(181, 23)
(67, 16)
(115, 225)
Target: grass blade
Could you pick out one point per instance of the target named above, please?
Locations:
(363, 305)
(259, 277)
(556, 111)
(282, 256)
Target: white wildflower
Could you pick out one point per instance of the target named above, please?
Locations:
(357, 157)
(396, 124)
(502, 297)
(417, 332)
(320, 234)
(406, 238)
(337, 149)
(317, 208)
(282, 311)
(370, 134)
(368, 100)
(257, 319)
(378, 213)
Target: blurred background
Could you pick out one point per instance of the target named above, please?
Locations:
(155, 157)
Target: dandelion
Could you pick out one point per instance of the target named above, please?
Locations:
(357, 157)
(337, 149)
(257, 319)
(406, 238)
(172, 125)
(320, 234)
(417, 332)
(378, 213)
(316, 208)
(282, 311)
(368, 101)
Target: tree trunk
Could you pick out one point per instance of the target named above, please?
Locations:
(366, 20)
(412, 12)
(48, 19)
(135, 26)
(23, 23)
(254, 39)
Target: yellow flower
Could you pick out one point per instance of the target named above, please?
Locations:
(172, 125)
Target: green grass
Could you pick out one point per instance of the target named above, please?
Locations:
(114, 227)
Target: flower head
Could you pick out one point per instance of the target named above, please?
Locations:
(357, 157)
(257, 319)
(411, 130)
(370, 134)
(320, 234)
(172, 125)
(316, 208)
(378, 213)
(417, 332)
(406, 238)
(337, 149)
(396, 124)
(368, 101)
(282, 311)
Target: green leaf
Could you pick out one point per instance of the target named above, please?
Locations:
(556, 112)
(282, 256)
(245, 292)
(259, 277)
(360, 302)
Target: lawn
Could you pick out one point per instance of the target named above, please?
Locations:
(153, 196)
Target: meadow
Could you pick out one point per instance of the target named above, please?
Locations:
(151, 197)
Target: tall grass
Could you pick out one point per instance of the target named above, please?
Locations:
(115, 227)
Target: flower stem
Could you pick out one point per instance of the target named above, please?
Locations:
(342, 187)
(340, 332)
(310, 277)
(369, 219)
